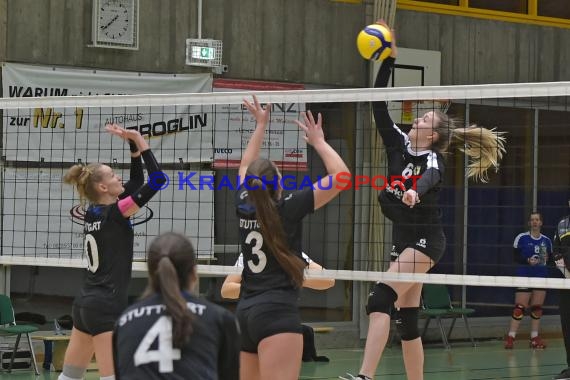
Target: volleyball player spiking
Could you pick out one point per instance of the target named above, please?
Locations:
(417, 235)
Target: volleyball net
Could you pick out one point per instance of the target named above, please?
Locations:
(198, 138)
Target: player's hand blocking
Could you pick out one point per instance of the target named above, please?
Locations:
(261, 113)
(313, 129)
(126, 134)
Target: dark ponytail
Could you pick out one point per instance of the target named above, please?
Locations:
(171, 266)
(263, 195)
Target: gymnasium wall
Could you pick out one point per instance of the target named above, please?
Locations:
(303, 41)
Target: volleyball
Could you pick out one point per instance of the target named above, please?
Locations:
(374, 42)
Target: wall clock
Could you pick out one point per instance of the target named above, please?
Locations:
(116, 23)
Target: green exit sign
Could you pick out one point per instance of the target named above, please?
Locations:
(203, 52)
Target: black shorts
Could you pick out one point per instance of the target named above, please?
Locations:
(527, 290)
(428, 239)
(264, 320)
(93, 321)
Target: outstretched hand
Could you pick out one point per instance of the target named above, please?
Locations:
(393, 31)
(313, 129)
(126, 134)
(261, 113)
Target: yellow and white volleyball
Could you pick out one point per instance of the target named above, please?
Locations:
(374, 42)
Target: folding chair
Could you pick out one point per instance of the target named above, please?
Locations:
(437, 304)
(9, 328)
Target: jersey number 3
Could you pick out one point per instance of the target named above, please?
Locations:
(256, 250)
(165, 354)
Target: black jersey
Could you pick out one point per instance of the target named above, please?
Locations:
(262, 276)
(143, 343)
(562, 240)
(407, 168)
(109, 248)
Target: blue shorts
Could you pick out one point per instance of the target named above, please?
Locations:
(532, 271)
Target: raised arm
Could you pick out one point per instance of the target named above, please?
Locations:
(133, 202)
(329, 187)
(391, 135)
(136, 177)
(253, 148)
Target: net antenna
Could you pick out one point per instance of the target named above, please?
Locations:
(385, 10)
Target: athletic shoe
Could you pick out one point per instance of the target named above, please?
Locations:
(536, 342)
(509, 342)
(564, 375)
(352, 377)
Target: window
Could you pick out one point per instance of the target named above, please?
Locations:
(516, 6)
(447, 2)
(554, 8)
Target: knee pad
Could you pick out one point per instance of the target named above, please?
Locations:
(381, 299)
(407, 323)
(536, 311)
(518, 312)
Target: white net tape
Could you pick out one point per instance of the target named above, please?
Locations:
(519, 90)
(348, 275)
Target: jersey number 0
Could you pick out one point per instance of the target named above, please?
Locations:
(92, 253)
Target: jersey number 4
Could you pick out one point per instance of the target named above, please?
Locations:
(165, 354)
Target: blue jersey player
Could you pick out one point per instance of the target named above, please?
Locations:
(532, 251)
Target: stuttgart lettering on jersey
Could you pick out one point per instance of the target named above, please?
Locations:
(90, 227)
(143, 311)
(249, 224)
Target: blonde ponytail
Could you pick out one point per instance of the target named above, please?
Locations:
(84, 178)
(484, 148)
